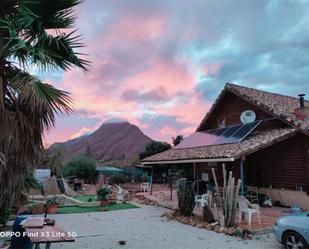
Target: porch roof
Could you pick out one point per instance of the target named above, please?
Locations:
(224, 152)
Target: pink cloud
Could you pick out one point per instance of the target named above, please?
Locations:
(168, 131)
(130, 78)
(141, 28)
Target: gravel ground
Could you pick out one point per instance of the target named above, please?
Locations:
(144, 228)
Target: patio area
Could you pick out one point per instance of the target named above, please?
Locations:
(161, 194)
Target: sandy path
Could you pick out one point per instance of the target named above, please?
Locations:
(144, 228)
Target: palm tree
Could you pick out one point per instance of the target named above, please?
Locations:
(32, 35)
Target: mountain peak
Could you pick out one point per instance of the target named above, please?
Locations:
(117, 142)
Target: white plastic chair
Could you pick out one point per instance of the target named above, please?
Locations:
(145, 186)
(119, 190)
(246, 208)
(201, 200)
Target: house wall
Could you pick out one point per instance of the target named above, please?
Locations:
(283, 165)
(307, 164)
(230, 108)
(207, 168)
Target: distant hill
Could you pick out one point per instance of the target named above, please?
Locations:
(112, 142)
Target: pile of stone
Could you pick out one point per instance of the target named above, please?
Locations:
(215, 226)
(145, 201)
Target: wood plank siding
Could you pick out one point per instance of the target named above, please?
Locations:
(230, 108)
(307, 165)
(283, 165)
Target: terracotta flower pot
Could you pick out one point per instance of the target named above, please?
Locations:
(52, 208)
(105, 203)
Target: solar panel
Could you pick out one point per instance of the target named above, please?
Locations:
(244, 131)
(230, 134)
(231, 130)
(221, 131)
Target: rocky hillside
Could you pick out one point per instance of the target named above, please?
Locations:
(112, 142)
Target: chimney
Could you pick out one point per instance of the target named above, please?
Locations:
(301, 100)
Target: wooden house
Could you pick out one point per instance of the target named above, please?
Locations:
(262, 137)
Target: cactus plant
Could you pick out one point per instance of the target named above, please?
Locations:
(230, 196)
(186, 198)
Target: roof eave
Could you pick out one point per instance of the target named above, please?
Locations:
(204, 160)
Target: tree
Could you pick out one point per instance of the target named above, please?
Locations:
(177, 139)
(135, 160)
(82, 167)
(53, 159)
(32, 35)
(154, 147)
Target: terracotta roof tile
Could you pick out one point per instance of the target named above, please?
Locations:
(282, 106)
(255, 141)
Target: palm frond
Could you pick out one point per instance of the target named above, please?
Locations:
(32, 182)
(40, 101)
(58, 51)
(48, 14)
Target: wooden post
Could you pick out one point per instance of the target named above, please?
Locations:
(194, 171)
(307, 168)
(224, 178)
(151, 180)
(242, 190)
(171, 187)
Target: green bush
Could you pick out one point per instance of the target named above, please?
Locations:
(82, 167)
(186, 198)
(119, 178)
(103, 192)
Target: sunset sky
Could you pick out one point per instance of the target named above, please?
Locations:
(161, 64)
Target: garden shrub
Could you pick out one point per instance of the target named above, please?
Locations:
(186, 198)
(119, 178)
(81, 166)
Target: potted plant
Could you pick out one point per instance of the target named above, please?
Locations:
(52, 205)
(102, 194)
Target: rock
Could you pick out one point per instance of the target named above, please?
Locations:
(239, 233)
(205, 226)
(217, 228)
(221, 230)
(199, 225)
(122, 242)
(231, 231)
(210, 227)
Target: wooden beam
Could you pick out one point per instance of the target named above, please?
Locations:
(307, 165)
(242, 190)
(229, 159)
(151, 186)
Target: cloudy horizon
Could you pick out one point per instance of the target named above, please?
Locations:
(160, 64)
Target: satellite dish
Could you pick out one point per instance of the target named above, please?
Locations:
(247, 117)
